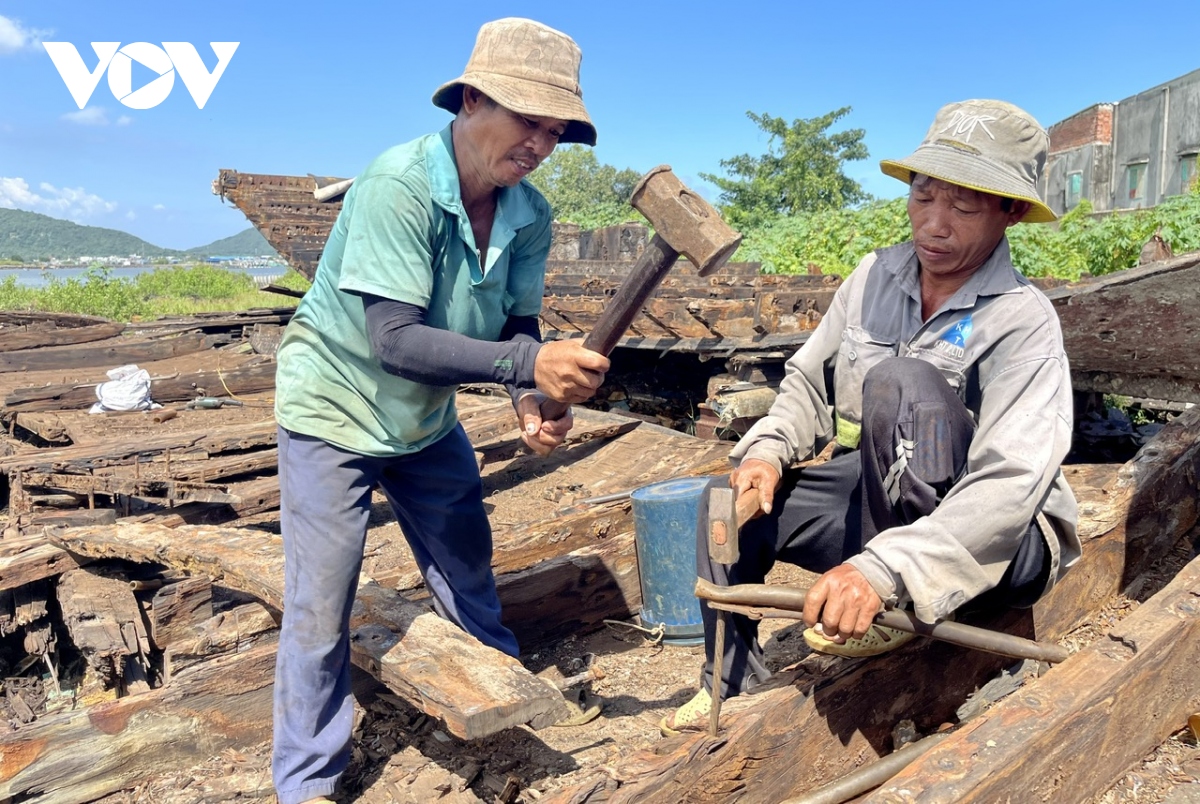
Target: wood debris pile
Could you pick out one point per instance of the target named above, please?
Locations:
(141, 567)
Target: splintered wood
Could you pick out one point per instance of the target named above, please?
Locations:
(105, 623)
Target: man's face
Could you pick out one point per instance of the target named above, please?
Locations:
(955, 229)
(512, 145)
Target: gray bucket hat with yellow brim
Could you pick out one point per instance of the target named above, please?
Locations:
(528, 68)
(985, 145)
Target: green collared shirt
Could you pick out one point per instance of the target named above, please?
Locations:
(403, 234)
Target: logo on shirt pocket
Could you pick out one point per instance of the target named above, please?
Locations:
(954, 342)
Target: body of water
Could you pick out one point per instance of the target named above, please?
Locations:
(40, 277)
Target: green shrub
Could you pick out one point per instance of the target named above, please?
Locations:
(833, 240)
(1079, 243)
(193, 282)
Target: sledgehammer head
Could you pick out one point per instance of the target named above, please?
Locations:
(686, 221)
(722, 526)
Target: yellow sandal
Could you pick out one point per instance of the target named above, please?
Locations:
(692, 716)
(878, 639)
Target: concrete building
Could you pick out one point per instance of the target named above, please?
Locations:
(1127, 155)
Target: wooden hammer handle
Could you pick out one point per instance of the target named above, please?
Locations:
(746, 507)
(645, 277)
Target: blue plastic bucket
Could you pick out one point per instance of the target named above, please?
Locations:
(665, 518)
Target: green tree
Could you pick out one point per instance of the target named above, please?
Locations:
(582, 190)
(802, 171)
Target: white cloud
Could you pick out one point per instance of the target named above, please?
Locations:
(159, 207)
(67, 202)
(124, 120)
(14, 36)
(91, 116)
(131, 215)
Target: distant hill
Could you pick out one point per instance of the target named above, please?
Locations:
(30, 236)
(248, 243)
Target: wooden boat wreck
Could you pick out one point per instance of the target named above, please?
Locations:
(148, 547)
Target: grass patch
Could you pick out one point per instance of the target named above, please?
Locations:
(170, 291)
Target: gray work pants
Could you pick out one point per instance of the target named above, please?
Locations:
(325, 499)
(824, 514)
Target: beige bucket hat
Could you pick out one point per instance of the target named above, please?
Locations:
(529, 68)
(986, 145)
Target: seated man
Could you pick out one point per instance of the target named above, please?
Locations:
(939, 372)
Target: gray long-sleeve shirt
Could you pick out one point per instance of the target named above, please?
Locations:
(997, 341)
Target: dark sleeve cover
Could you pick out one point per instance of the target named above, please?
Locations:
(408, 348)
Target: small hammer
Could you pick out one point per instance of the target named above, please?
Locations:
(684, 223)
(725, 519)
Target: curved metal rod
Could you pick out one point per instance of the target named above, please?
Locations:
(868, 777)
(967, 636)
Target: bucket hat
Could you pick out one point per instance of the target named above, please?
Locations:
(528, 68)
(985, 145)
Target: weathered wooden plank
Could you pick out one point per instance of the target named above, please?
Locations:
(36, 561)
(83, 459)
(176, 608)
(1135, 326)
(475, 694)
(104, 620)
(429, 661)
(24, 606)
(719, 318)
(216, 322)
(723, 347)
(91, 752)
(34, 521)
(175, 490)
(572, 593)
(683, 289)
(116, 352)
(814, 728)
(38, 336)
(1074, 732)
(247, 379)
(503, 449)
(46, 426)
(227, 466)
(233, 631)
(644, 455)
(256, 496)
(620, 268)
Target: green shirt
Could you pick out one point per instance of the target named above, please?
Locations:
(403, 234)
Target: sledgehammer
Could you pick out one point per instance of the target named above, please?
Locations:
(684, 223)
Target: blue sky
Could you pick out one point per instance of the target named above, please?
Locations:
(323, 87)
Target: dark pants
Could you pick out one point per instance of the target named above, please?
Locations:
(325, 499)
(915, 436)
